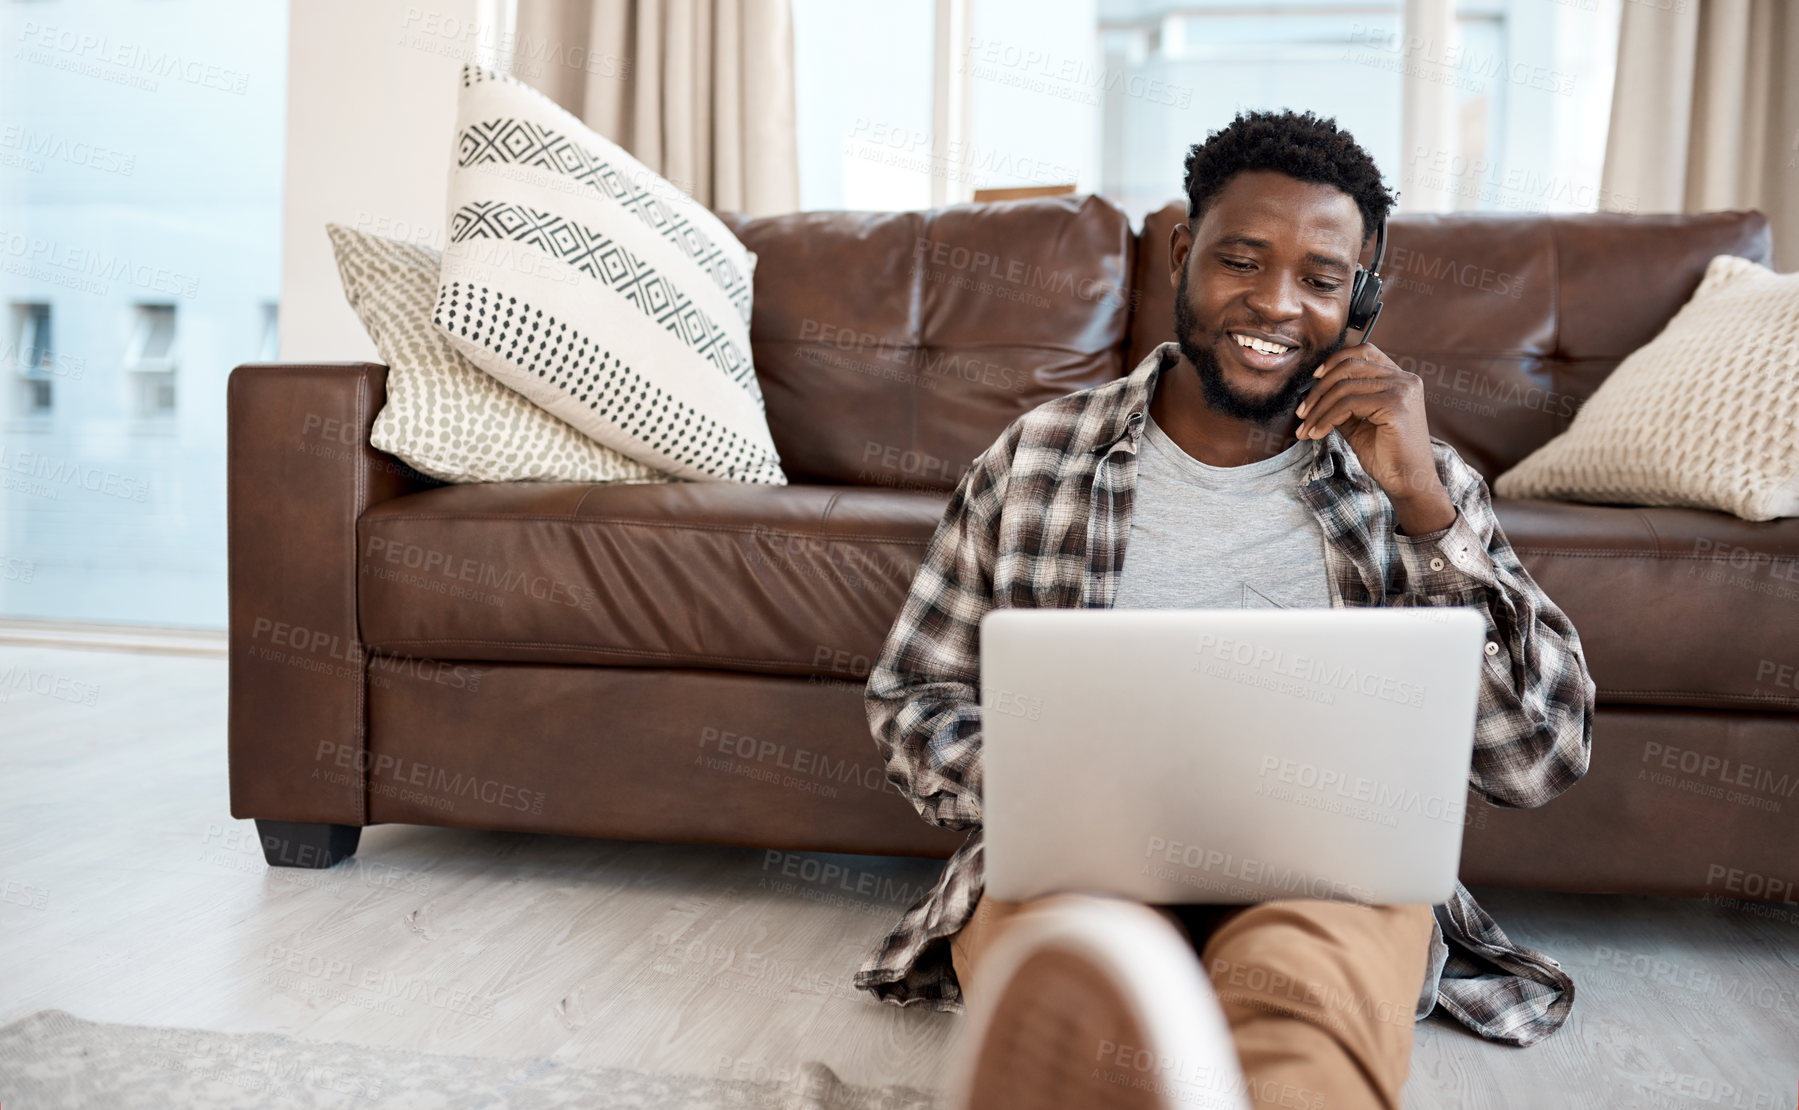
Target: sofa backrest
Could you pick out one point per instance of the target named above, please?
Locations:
(894, 347)
(1511, 320)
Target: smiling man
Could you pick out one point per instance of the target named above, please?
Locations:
(1255, 461)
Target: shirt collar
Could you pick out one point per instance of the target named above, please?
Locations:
(1331, 456)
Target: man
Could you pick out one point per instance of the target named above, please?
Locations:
(1255, 461)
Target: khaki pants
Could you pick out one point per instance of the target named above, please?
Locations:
(1319, 995)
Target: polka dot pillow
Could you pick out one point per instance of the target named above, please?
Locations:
(590, 285)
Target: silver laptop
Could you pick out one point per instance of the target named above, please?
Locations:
(1220, 755)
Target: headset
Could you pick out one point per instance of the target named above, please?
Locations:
(1364, 291)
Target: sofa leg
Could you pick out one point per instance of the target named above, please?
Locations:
(305, 844)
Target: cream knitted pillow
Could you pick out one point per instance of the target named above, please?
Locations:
(1704, 415)
(443, 415)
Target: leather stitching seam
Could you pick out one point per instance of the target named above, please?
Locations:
(758, 530)
(383, 646)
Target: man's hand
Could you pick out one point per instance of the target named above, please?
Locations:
(1379, 408)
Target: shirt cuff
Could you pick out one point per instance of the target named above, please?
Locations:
(1433, 970)
(1448, 561)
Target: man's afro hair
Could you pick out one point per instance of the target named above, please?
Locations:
(1302, 146)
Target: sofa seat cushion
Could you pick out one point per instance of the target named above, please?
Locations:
(797, 580)
(1674, 606)
(1680, 607)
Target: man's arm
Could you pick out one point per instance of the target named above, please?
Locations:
(923, 697)
(1534, 732)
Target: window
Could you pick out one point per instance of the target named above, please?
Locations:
(1526, 87)
(1534, 96)
(862, 96)
(38, 397)
(1177, 71)
(1018, 106)
(31, 337)
(1514, 97)
(153, 339)
(33, 357)
(269, 349)
(146, 175)
(151, 360)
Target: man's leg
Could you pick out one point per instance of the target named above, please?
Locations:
(1319, 996)
(992, 918)
(1079, 1002)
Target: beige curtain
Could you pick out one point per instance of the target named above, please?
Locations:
(1705, 113)
(701, 91)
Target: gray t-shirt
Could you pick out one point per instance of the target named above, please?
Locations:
(1221, 537)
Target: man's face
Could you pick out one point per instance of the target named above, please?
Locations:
(1270, 262)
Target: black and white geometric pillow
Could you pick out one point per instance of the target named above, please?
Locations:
(444, 415)
(577, 277)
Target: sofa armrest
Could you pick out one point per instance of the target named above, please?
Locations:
(299, 474)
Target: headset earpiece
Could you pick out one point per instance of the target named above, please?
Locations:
(1364, 290)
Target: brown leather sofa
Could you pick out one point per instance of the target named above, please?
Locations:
(684, 662)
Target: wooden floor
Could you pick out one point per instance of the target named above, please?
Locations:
(128, 894)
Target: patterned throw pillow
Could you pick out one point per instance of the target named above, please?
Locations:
(444, 416)
(1703, 415)
(592, 286)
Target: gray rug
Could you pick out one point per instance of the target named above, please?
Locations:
(54, 1059)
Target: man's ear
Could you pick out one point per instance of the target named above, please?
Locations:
(1180, 241)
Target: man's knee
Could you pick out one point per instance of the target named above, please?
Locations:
(1323, 928)
(1333, 963)
(1321, 995)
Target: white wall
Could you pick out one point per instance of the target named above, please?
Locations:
(371, 111)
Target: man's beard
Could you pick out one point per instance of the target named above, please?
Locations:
(1218, 393)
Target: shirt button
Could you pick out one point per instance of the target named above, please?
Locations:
(1436, 564)
(1492, 647)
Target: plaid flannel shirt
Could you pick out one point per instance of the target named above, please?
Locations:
(1041, 520)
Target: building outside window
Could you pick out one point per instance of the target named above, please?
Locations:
(1107, 95)
(32, 357)
(151, 360)
(140, 230)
